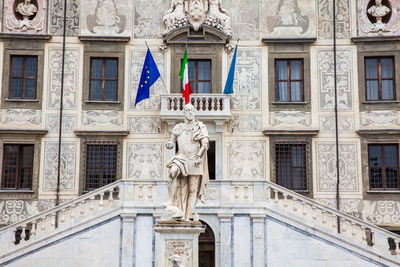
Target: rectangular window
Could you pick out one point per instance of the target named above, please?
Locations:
(23, 77)
(17, 167)
(103, 79)
(383, 166)
(289, 80)
(101, 166)
(200, 75)
(379, 78)
(291, 166)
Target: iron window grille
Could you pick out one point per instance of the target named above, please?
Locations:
(17, 167)
(101, 166)
(291, 166)
(383, 166)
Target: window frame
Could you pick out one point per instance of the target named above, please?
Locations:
(289, 80)
(379, 79)
(292, 165)
(196, 80)
(102, 167)
(286, 138)
(383, 167)
(23, 77)
(18, 167)
(103, 79)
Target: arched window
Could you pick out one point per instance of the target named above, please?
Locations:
(207, 247)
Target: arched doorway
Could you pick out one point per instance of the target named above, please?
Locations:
(207, 247)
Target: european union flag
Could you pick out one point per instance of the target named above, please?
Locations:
(149, 76)
(231, 75)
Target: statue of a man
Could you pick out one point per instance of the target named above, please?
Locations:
(26, 9)
(188, 169)
(378, 11)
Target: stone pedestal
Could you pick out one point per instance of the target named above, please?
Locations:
(177, 244)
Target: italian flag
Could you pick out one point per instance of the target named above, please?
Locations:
(185, 79)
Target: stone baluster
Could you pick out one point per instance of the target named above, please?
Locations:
(82, 208)
(268, 192)
(201, 103)
(15, 236)
(276, 196)
(101, 204)
(62, 217)
(91, 205)
(72, 213)
(323, 216)
(174, 104)
(246, 192)
(237, 192)
(218, 104)
(353, 228)
(53, 219)
(344, 227)
(195, 104)
(140, 191)
(23, 234)
(110, 196)
(364, 234)
(294, 204)
(304, 207)
(33, 230)
(333, 218)
(314, 212)
(222, 104)
(397, 243)
(168, 103)
(150, 192)
(43, 224)
(285, 204)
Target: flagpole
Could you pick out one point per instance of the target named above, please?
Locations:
(160, 73)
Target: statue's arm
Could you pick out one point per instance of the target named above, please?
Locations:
(171, 141)
(204, 147)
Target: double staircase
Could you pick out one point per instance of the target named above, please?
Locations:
(134, 197)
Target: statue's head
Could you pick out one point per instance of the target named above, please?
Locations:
(378, 2)
(188, 110)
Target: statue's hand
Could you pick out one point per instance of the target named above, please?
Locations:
(197, 161)
(170, 145)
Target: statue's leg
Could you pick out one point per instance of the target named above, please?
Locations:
(172, 185)
(192, 197)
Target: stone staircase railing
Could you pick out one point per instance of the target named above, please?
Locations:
(41, 225)
(259, 196)
(359, 231)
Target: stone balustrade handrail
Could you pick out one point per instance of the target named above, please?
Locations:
(286, 192)
(267, 192)
(108, 188)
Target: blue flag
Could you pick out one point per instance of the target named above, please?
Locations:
(231, 75)
(149, 76)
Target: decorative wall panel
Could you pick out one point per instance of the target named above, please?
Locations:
(246, 160)
(144, 161)
(144, 124)
(71, 78)
(325, 29)
(56, 17)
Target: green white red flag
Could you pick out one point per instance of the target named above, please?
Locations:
(187, 90)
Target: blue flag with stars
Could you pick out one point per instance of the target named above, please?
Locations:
(149, 76)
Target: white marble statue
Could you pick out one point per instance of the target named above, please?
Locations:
(188, 169)
(378, 11)
(215, 10)
(196, 10)
(26, 9)
(174, 14)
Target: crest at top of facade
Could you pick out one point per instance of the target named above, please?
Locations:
(197, 13)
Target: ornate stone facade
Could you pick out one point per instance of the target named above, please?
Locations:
(326, 79)
(145, 161)
(101, 118)
(290, 118)
(378, 20)
(71, 78)
(68, 163)
(21, 17)
(381, 119)
(246, 160)
(247, 84)
(12, 211)
(327, 167)
(21, 117)
(294, 19)
(56, 17)
(343, 25)
(106, 17)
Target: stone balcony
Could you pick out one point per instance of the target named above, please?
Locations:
(208, 107)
